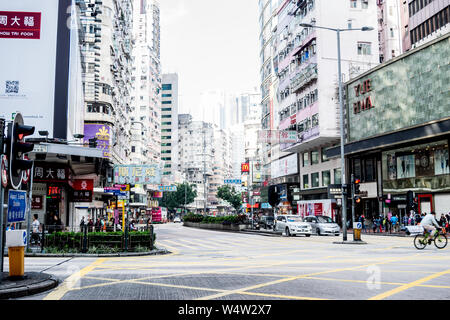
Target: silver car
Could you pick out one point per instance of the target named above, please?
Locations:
(292, 225)
(322, 225)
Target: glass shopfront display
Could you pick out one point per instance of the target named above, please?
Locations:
(421, 167)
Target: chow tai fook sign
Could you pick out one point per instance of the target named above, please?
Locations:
(362, 91)
(83, 190)
(137, 174)
(20, 25)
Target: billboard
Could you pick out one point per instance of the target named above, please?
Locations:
(137, 174)
(35, 42)
(103, 134)
(285, 167)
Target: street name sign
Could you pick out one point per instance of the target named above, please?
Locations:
(17, 206)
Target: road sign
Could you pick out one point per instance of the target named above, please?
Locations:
(17, 206)
(167, 188)
(357, 226)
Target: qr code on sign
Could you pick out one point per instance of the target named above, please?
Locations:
(12, 86)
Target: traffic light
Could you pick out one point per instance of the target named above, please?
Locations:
(357, 199)
(17, 148)
(357, 184)
(93, 143)
(274, 196)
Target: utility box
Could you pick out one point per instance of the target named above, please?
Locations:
(16, 238)
(16, 241)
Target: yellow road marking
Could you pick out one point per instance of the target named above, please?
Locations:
(238, 291)
(68, 284)
(408, 286)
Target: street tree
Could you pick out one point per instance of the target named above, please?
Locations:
(230, 195)
(184, 195)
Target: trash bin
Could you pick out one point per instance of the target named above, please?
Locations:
(16, 241)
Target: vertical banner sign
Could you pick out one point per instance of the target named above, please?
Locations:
(16, 206)
(20, 25)
(102, 133)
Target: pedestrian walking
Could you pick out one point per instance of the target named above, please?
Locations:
(90, 225)
(394, 223)
(98, 225)
(36, 227)
(362, 219)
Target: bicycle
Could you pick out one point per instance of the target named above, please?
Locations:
(422, 240)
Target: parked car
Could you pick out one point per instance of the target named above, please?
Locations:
(177, 220)
(267, 222)
(322, 225)
(292, 226)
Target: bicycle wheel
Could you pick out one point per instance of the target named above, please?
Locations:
(419, 242)
(440, 241)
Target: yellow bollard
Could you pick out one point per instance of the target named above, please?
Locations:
(357, 235)
(16, 257)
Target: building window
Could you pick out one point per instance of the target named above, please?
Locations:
(324, 155)
(326, 178)
(314, 157)
(167, 95)
(353, 3)
(337, 176)
(166, 87)
(364, 48)
(364, 4)
(305, 181)
(133, 149)
(167, 102)
(306, 159)
(315, 180)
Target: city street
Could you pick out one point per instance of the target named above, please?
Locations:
(213, 265)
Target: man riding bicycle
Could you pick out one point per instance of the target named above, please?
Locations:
(430, 224)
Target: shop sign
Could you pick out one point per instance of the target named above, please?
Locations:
(51, 173)
(81, 196)
(83, 190)
(103, 135)
(167, 188)
(137, 174)
(36, 203)
(245, 167)
(53, 192)
(20, 25)
(365, 103)
(232, 181)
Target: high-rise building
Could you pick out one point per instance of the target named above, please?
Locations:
(390, 28)
(106, 50)
(305, 63)
(146, 79)
(428, 20)
(169, 124)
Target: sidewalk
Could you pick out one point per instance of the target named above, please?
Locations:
(33, 283)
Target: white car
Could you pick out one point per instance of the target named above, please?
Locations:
(292, 225)
(177, 220)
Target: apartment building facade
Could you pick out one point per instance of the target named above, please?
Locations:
(146, 79)
(305, 62)
(106, 50)
(169, 125)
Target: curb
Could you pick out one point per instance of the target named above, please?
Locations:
(106, 255)
(30, 289)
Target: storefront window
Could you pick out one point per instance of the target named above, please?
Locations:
(306, 159)
(416, 161)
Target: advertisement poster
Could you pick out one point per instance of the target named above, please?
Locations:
(102, 133)
(441, 165)
(406, 167)
(316, 208)
(28, 38)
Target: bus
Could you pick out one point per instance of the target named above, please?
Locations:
(159, 215)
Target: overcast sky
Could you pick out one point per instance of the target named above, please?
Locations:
(211, 44)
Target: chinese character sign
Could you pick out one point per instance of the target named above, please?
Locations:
(20, 25)
(137, 174)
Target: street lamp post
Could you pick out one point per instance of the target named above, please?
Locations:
(341, 106)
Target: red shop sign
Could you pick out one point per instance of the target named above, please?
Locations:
(83, 185)
(20, 25)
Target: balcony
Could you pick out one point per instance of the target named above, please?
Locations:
(305, 77)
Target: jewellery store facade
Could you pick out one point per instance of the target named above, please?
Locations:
(398, 130)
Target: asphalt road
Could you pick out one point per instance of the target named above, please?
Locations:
(214, 265)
